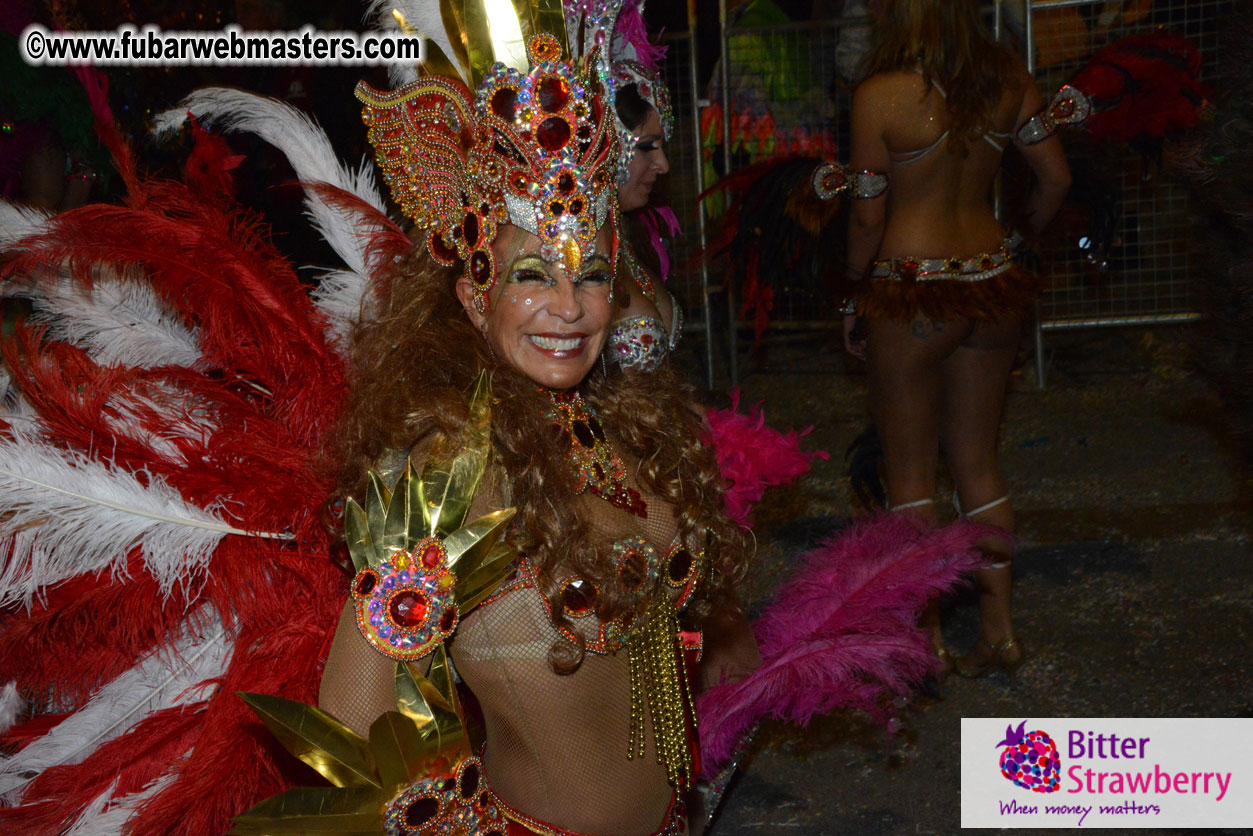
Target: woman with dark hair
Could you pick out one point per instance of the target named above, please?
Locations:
(933, 272)
(648, 321)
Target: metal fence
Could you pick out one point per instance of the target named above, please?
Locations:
(784, 93)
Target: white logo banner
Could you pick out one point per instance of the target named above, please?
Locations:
(1123, 772)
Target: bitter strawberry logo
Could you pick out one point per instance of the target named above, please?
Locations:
(1030, 759)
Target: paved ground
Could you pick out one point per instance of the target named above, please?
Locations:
(1132, 594)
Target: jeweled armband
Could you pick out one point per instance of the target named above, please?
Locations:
(831, 179)
(1070, 106)
(419, 565)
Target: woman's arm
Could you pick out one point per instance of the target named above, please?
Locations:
(869, 216)
(359, 683)
(1047, 160)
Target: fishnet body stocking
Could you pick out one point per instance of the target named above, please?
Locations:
(556, 745)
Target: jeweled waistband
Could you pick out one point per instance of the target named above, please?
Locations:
(974, 268)
(520, 824)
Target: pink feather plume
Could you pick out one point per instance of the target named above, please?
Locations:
(843, 632)
(753, 456)
(633, 30)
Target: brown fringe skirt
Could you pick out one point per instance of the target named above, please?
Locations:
(984, 287)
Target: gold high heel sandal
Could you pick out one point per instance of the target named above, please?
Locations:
(1006, 656)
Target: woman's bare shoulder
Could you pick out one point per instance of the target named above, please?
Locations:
(891, 84)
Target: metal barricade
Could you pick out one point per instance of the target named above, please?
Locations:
(1149, 267)
(788, 71)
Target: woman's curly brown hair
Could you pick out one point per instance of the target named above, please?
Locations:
(413, 362)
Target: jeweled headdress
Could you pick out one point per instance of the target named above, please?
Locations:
(627, 57)
(531, 146)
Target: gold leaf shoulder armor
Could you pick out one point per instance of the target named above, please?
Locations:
(420, 566)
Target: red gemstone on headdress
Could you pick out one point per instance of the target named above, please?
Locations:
(553, 133)
(576, 206)
(366, 581)
(471, 227)
(646, 339)
(505, 103)
(556, 208)
(585, 133)
(565, 183)
(1064, 108)
(442, 253)
(408, 608)
(430, 556)
(553, 93)
(597, 430)
(480, 268)
(577, 596)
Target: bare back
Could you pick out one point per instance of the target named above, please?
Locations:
(940, 199)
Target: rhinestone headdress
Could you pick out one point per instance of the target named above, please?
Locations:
(532, 145)
(627, 60)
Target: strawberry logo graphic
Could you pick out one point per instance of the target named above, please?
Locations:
(1030, 759)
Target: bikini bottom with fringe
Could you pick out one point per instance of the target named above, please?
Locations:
(984, 287)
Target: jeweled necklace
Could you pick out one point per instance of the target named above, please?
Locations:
(596, 466)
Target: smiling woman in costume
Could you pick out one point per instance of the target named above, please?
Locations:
(572, 659)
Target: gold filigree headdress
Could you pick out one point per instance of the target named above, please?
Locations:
(532, 145)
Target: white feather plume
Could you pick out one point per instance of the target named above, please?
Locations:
(17, 221)
(344, 298)
(107, 816)
(310, 153)
(166, 678)
(14, 408)
(67, 514)
(422, 16)
(116, 321)
(11, 706)
(127, 411)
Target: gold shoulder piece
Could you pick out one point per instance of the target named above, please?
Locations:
(412, 549)
(413, 754)
(337, 752)
(448, 486)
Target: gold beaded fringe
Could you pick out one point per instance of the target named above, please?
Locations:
(659, 689)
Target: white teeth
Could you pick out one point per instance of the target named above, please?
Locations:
(555, 344)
